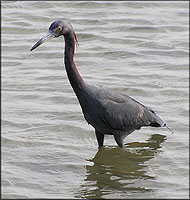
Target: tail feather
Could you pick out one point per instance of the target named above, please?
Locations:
(156, 120)
(156, 124)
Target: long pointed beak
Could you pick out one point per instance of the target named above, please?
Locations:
(50, 35)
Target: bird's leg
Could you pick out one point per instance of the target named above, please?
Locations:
(100, 138)
(119, 140)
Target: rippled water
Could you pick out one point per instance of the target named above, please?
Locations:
(136, 48)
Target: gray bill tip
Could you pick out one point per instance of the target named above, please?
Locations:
(36, 45)
(33, 48)
(46, 37)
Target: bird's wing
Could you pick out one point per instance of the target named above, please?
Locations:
(127, 115)
(121, 112)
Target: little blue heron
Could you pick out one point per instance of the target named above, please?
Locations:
(108, 112)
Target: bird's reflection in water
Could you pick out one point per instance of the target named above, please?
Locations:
(114, 170)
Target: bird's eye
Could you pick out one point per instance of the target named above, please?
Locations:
(59, 29)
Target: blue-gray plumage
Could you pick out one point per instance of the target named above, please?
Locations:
(108, 112)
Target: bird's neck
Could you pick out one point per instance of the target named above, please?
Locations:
(72, 72)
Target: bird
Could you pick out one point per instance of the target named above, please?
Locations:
(110, 113)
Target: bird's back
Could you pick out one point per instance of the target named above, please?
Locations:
(110, 112)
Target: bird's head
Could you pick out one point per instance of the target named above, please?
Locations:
(56, 29)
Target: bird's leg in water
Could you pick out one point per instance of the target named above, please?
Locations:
(100, 138)
(119, 140)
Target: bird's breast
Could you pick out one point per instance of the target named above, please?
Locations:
(94, 117)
